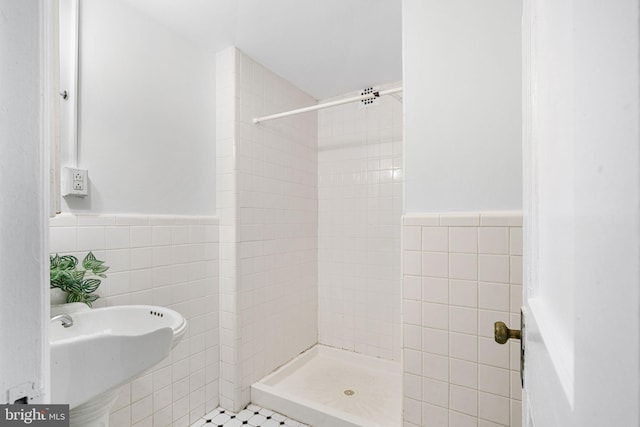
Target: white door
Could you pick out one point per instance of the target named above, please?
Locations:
(581, 114)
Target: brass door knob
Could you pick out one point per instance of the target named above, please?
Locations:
(502, 334)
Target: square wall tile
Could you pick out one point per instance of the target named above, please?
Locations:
(493, 240)
(141, 236)
(438, 416)
(464, 373)
(435, 341)
(435, 316)
(435, 239)
(493, 268)
(463, 239)
(461, 420)
(435, 392)
(412, 410)
(63, 239)
(493, 296)
(493, 408)
(91, 238)
(463, 319)
(412, 361)
(435, 290)
(412, 288)
(493, 354)
(412, 263)
(464, 400)
(412, 386)
(117, 237)
(411, 238)
(494, 380)
(463, 293)
(464, 346)
(463, 266)
(435, 366)
(435, 264)
(412, 337)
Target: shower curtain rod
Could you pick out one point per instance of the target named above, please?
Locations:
(372, 95)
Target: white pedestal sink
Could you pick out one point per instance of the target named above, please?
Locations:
(104, 349)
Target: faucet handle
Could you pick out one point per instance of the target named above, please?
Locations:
(66, 320)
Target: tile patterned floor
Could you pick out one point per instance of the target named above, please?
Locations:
(251, 416)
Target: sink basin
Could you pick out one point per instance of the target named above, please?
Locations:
(107, 347)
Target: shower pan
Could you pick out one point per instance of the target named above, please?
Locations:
(327, 387)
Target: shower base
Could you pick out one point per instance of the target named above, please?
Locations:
(326, 387)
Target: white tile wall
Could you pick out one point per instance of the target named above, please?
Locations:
(159, 260)
(464, 272)
(268, 181)
(359, 216)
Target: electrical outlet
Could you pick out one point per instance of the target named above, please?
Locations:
(75, 182)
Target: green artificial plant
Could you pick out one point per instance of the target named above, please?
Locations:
(79, 284)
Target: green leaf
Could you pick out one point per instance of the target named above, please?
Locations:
(90, 258)
(90, 285)
(64, 279)
(74, 297)
(67, 262)
(53, 274)
(68, 276)
(54, 261)
(100, 269)
(74, 287)
(81, 297)
(88, 299)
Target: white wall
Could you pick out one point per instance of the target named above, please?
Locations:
(22, 211)
(146, 115)
(462, 105)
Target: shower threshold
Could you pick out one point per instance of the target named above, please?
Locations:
(327, 387)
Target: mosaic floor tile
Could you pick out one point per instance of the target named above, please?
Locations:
(251, 416)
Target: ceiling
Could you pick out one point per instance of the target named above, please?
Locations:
(325, 47)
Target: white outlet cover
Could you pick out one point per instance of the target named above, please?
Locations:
(75, 182)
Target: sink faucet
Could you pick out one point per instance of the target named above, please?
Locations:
(64, 318)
